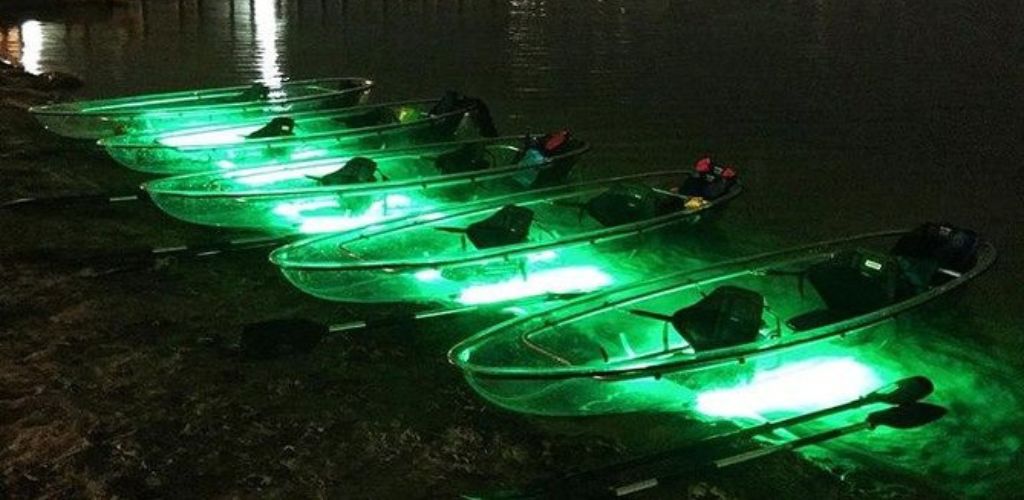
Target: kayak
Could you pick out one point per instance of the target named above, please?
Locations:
(154, 113)
(549, 242)
(655, 344)
(286, 138)
(348, 192)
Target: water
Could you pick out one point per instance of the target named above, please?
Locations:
(842, 115)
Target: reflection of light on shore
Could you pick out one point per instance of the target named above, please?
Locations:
(265, 17)
(31, 46)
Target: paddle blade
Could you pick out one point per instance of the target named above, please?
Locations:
(268, 339)
(907, 416)
(904, 391)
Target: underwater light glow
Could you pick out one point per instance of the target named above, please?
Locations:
(562, 280)
(378, 211)
(213, 138)
(797, 388)
(287, 174)
(428, 275)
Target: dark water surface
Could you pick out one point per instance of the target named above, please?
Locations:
(842, 115)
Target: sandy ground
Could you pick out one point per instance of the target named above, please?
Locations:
(121, 377)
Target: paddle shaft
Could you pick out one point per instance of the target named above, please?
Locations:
(722, 463)
(75, 200)
(396, 320)
(718, 440)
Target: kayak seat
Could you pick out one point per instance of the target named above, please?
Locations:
(932, 254)
(727, 317)
(373, 118)
(256, 92)
(478, 111)
(623, 204)
(850, 283)
(466, 158)
(281, 126)
(710, 183)
(358, 170)
(507, 226)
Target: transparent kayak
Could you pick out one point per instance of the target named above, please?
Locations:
(657, 343)
(155, 113)
(296, 198)
(549, 242)
(288, 138)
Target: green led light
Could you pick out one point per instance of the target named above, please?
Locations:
(203, 139)
(575, 279)
(303, 214)
(801, 387)
(428, 275)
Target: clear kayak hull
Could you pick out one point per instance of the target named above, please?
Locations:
(315, 135)
(293, 199)
(609, 352)
(155, 113)
(430, 259)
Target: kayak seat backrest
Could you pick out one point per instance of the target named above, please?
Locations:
(709, 185)
(507, 226)
(478, 111)
(373, 118)
(855, 282)
(281, 126)
(727, 317)
(256, 92)
(557, 143)
(623, 204)
(930, 247)
(466, 158)
(358, 170)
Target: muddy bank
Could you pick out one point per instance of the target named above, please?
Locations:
(122, 377)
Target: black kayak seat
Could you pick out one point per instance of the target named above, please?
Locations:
(623, 204)
(710, 185)
(934, 253)
(281, 126)
(256, 92)
(453, 101)
(358, 170)
(727, 317)
(850, 283)
(507, 226)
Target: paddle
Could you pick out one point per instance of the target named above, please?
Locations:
(904, 391)
(906, 416)
(264, 339)
(200, 251)
(74, 200)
